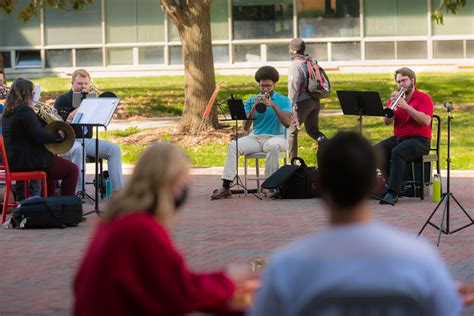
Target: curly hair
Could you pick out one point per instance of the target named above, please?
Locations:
(267, 73)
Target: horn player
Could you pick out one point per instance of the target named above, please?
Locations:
(24, 139)
(412, 132)
(81, 82)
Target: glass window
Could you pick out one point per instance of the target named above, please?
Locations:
(14, 32)
(151, 55)
(134, 21)
(58, 58)
(28, 59)
(247, 53)
(462, 23)
(318, 51)
(379, 50)
(322, 18)
(395, 18)
(469, 49)
(277, 52)
(89, 57)
(72, 26)
(7, 60)
(262, 19)
(220, 54)
(176, 55)
(345, 51)
(219, 20)
(412, 50)
(448, 49)
(120, 56)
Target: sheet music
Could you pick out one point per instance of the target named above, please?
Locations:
(37, 94)
(96, 111)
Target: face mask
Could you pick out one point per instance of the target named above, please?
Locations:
(179, 201)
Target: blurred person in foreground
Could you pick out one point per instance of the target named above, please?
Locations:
(356, 254)
(132, 266)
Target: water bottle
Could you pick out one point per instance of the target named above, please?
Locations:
(436, 188)
(108, 188)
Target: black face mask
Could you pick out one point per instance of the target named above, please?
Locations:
(179, 200)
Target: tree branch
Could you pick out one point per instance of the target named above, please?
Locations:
(174, 11)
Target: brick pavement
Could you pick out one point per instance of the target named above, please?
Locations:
(37, 266)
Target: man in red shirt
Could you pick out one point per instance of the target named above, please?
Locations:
(412, 132)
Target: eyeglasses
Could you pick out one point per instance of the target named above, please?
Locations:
(269, 85)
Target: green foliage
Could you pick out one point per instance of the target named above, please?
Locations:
(33, 7)
(450, 6)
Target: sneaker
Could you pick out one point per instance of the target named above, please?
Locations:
(389, 198)
(221, 193)
(321, 137)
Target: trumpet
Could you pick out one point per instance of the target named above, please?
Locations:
(390, 111)
(54, 123)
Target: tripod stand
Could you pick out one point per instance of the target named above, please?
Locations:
(237, 112)
(447, 195)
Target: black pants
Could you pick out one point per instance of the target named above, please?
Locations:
(398, 152)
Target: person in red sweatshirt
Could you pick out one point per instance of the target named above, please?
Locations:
(132, 266)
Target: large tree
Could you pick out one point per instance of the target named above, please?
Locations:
(193, 21)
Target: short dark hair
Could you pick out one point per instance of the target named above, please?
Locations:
(347, 169)
(267, 73)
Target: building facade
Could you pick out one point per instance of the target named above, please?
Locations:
(114, 37)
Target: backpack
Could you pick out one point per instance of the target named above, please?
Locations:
(319, 86)
(295, 181)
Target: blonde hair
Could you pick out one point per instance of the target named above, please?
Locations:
(148, 188)
(80, 72)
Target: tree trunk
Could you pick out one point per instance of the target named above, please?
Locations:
(199, 77)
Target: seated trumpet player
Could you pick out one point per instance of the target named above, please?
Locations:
(270, 114)
(410, 110)
(25, 139)
(111, 152)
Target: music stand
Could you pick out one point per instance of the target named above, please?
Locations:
(360, 103)
(237, 113)
(94, 113)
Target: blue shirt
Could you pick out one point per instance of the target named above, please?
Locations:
(267, 123)
(354, 258)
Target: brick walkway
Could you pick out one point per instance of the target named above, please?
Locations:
(37, 266)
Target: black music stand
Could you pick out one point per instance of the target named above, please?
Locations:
(82, 132)
(94, 113)
(360, 103)
(237, 113)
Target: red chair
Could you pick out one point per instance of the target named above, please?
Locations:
(9, 177)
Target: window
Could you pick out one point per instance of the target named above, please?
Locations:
(120, 56)
(7, 59)
(277, 52)
(262, 19)
(89, 57)
(73, 27)
(379, 50)
(395, 18)
(176, 55)
(469, 49)
(322, 18)
(318, 51)
(28, 59)
(448, 49)
(460, 24)
(219, 20)
(58, 58)
(151, 55)
(345, 51)
(220, 54)
(14, 32)
(134, 21)
(247, 53)
(412, 50)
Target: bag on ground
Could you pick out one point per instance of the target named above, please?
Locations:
(53, 212)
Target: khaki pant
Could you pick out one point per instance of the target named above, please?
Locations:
(270, 144)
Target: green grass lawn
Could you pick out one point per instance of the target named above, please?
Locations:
(164, 96)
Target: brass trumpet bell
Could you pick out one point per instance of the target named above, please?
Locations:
(67, 143)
